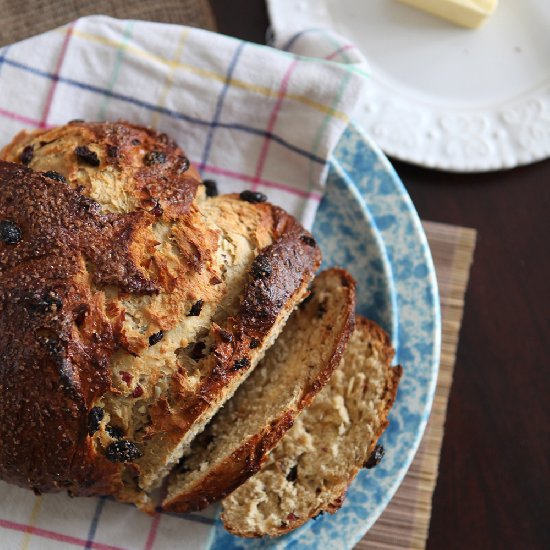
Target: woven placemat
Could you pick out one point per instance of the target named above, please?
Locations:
(406, 521)
(24, 18)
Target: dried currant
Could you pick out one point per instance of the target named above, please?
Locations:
(80, 313)
(45, 303)
(254, 343)
(87, 204)
(154, 157)
(10, 232)
(252, 196)
(156, 337)
(310, 241)
(211, 188)
(138, 392)
(197, 350)
(114, 432)
(184, 164)
(226, 336)
(122, 451)
(76, 121)
(55, 176)
(196, 309)
(240, 364)
(53, 346)
(292, 473)
(86, 155)
(27, 154)
(112, 151)
(126, 377)
(157, 209)
(375, 457)
(261, 267)
(95, 416)
(135, 142)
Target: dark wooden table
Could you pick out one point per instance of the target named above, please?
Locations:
(494, 481)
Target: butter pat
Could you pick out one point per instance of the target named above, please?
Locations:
(467, 13)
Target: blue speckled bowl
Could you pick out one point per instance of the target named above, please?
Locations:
(366, 220)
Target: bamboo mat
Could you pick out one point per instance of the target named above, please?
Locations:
(406, 521)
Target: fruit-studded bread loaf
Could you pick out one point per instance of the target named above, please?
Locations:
(133, 302)
(237, 441)
(309, 471)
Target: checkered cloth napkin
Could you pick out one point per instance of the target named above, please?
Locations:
(247, 115)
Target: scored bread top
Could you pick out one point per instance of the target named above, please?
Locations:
(131, 304)
(236, 442)
(310, 470)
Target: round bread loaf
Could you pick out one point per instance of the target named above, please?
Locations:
(133, 302)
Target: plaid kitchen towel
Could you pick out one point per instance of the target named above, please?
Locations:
(246, 115)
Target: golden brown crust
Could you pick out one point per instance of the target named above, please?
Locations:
(234, 470)
(53, 320)
(55, 341)
(90, 215)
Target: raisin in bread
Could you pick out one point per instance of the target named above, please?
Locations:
(236, 442)
(309, 471)
(132, 304)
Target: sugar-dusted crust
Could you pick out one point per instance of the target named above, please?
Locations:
(123, 267)
(325, 323)
(55, 339)
(273, 504)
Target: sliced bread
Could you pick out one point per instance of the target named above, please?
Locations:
(236, 443)
(309, 471)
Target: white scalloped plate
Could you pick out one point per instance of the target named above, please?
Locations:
(443, 96)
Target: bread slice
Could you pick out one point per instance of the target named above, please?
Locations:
(309, 471)
(236, 443)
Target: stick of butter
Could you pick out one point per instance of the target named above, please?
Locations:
(467, 13)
